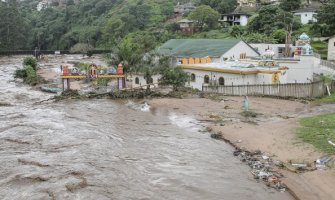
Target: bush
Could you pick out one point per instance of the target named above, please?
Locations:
(249, 114)
(30, 61)
(28, 74)
(20, 73)
(175, 77)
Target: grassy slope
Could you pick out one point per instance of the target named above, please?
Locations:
(328, 99)
(318, 130)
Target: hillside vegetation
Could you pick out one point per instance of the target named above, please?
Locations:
(105, 24)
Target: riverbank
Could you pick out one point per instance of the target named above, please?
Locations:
(271, 132)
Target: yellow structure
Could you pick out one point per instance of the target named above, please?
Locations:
(191, 61)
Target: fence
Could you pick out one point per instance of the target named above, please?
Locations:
(297, 90)
(46, 52)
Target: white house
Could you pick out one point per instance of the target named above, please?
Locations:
(234, 62)
(235, 19)
(235, 73)
(331, 48)
(306, 15)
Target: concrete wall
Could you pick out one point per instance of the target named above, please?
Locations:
(239, 48)
(305, 17)
(235, 79)
(142, 81)
(232, 79)
(300, 71)
(243, 20)
(331, 49)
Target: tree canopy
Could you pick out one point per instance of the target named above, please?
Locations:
(290, 5)
(204, 17)
(326, 16)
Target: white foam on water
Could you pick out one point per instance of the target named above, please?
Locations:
(183, 121)
(145, 107)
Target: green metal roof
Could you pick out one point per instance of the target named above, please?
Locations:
(197, 47)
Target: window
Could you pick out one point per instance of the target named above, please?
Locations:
(193, 77)
(137, 80)
(221, 81)
(305, 15)
(206, 79)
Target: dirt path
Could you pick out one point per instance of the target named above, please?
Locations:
(271, 132)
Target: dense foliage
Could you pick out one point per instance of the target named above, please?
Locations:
(28, 73)
(142, 25)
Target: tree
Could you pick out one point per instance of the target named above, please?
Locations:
(82, 48)
(237, 31)
(142, 14)
(175, 77)
(290, 5)
(258, 38)
(127, 53)
(222, 6)
(271, 18)
(12, 26)
(204, 16)
(280, 35)
(326, 15)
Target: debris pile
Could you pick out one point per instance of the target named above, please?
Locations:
(263, 168)
(324, 162)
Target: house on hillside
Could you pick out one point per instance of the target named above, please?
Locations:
(235, 19)
(306, 15)
(186, 25)
(331, 48)
(206, 50)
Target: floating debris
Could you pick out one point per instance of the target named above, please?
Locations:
(263, 168)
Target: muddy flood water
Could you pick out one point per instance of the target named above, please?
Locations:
(105, 149)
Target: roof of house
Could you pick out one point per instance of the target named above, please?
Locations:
(197, 47)
(307, 9)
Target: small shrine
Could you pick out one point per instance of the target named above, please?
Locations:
(92, 73)
(303, 47)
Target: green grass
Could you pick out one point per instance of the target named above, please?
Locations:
(328, 99)
(321, 48)
(318, 130)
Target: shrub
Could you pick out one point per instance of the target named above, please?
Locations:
(175, 77)
(28, 74)
(249, 114)
(30, 61)
(20, 73)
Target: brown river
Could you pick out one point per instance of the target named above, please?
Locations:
(105, 149)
